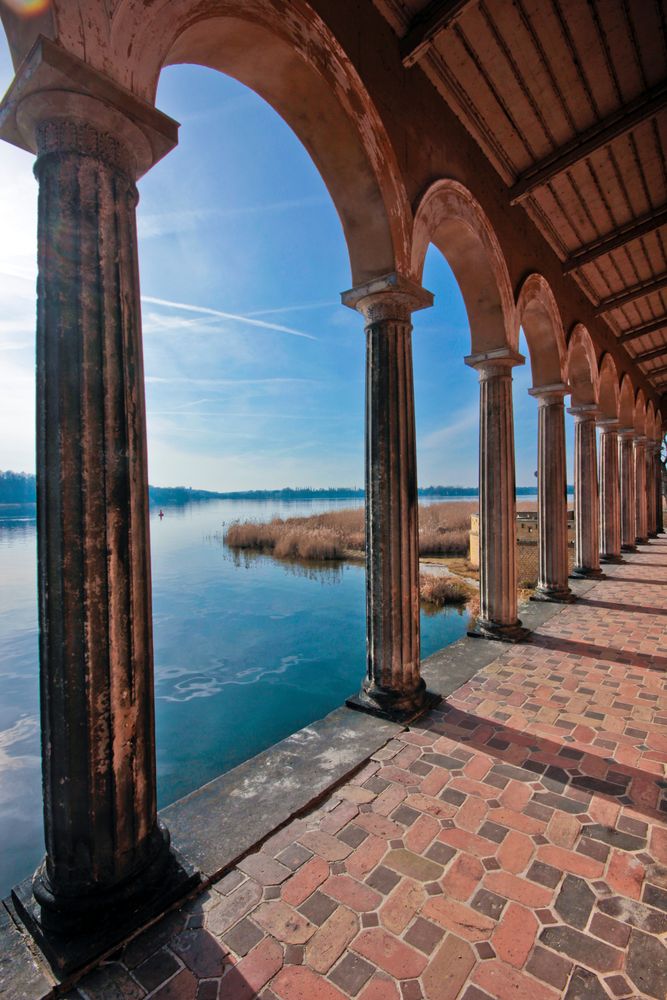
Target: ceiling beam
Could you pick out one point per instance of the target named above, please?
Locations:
(657, 352)
(656, 371)
(427, 25)
(639, 291)
(648, 104)
(616, 239)
(642, 331)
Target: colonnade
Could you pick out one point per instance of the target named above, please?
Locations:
(104, 844)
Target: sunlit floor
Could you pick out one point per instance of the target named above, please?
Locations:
(512, 844)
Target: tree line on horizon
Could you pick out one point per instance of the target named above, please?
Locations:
(19, 488)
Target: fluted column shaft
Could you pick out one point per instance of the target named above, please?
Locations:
(641, 532)
(497, 502)
(610, 493)
(551, 494)
(586, 510)
(659, 527)
(627, 476)
(393, 684)
(651, 523)
(94, 580)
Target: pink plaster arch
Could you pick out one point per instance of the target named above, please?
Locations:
(538, 315)
(453, 220)
(640, 412)
(609, 391)
(626, 403)
(650, 421)
(286, 54)
(582, 368)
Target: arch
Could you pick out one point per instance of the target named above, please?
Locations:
(650, 421)
(537, 313)
(453, 220)
(286, 54)
(609, 392)
(626, 403)
(640, 413)
(582, 368)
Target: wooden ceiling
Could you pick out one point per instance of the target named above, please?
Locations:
(568, 100)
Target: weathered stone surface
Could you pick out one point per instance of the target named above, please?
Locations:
(575, 901)
(647, 964)
(585, 985)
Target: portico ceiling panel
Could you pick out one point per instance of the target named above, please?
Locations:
(568, 100)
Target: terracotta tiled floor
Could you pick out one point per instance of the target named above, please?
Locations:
(511, 845)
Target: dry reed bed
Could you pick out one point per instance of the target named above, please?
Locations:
(339, 534)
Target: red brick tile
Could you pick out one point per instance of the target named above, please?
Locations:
(458, 918)
(563, 830)
(515, 935)
(327, 846)
(366, 856)
(331, 939)
(448, 970)
(422, 832)
(306, 880)
(379, 826)
(569, 861)
(515, 852)
(407, 898)
(625, 874)
(518, 889)
(463, 877)
(339, 817)
(503, 982)
(356, 895)
(297, 982)
(283, 922)
(380, 987)
(252, 972)
(393, 956)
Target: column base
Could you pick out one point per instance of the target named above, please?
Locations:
(583, 573)
(500, 633)
(562, 596)
(614, 559)
(628, 548)
(392, 705)
(642, 541)
(653, 534)
(87, 928)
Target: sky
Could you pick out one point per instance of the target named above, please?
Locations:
(254, 370)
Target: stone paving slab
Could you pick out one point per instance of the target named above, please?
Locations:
(510, 845)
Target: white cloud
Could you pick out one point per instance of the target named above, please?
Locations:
(450, 432)
(157, 224)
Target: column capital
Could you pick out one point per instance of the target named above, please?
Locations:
(641, 439)
(607, 423)
(550, 393)
(59, 103)
(391, 296)
(584, 411)
(498, 361)
(626, 433)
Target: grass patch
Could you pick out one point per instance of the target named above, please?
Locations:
(437, 591)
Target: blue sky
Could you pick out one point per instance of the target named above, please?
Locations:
(255, 372)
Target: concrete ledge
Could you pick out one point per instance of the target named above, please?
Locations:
(21, 978)
(218, 823)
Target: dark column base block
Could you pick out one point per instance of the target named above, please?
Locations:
(500, 633)
(585, 573)
(642, 541)
(612, 559)
(653, 534)
(628, 548)
(564, 596)
(71, 941)
(394, 706)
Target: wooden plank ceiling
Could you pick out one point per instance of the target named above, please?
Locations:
(568, 100)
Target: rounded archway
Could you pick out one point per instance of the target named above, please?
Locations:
(537, 314)
(287, 55)
(582, 368)
(608, 391)
(626, 403)
(451, 218)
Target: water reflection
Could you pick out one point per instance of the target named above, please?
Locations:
(247, 650)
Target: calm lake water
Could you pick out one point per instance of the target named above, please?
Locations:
(247, 650)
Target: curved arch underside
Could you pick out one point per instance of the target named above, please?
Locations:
(609, 391)
(449, 217)
(284, 53)
(538, 315)
(582, 369)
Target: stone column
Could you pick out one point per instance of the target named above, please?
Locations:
(107, 855)
(627, 475)
(641, 532)
(393, 686)
(651, 517)
(586, 511)
(497, 501)
(551, 495)
(659, 527)
(610, 493)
